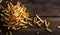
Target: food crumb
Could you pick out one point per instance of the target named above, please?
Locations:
(37, 32)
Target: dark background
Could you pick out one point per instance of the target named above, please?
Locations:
(46, 9)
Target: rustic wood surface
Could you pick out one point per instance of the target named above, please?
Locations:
(46, 9)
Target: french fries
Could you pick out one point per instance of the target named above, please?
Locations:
(35, 20)
(48, 29)
(30, 24)
(15, 17)
(39, 18)
(10, 32)
(7, 33)
(0, 1)
(58, 27)
(39, 22)
(47, 24)
(24, 27)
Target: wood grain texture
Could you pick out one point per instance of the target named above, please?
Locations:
(42, 8)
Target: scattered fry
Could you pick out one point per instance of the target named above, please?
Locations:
(39, 24)
(47, 24)
(58, 26)
(48, 29)
(7, 33)
(2, 15)
(35, 20)
(39, 18)
(37, 32)
(6, 1)
(30, 24)
(10, 32)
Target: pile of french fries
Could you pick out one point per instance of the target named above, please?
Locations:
(15, 16)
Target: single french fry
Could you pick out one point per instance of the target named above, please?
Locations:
(2, 15)
(39, 18)
(30, 24)
(22, 24)
(11, 4)
(37, 32)
(58, 27)
(6, 1)
(38, 24)
(23, 21)
(0, 1)
(7, 33)
(35, 20)
(13, 28)
(10, 32)
(47, 24)
(5, 25)
(48, 29)
(24, 27)
(41, 24)
(18, 28)
(28, 19)
(6, 18)
(7, 14)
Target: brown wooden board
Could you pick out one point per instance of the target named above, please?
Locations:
(46, 9)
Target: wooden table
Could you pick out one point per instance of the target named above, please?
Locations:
(49, 10)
